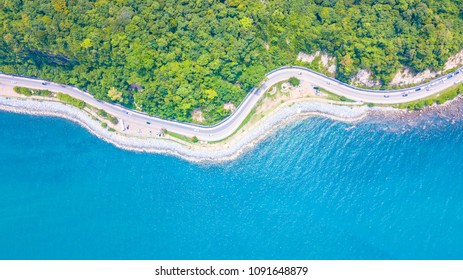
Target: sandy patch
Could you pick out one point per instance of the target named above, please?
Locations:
(288, 93)
(8, 90)
(267, 46)
(285, 87)
(273, 90)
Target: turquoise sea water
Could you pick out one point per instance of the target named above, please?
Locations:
(316, 189)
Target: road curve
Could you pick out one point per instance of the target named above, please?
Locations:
(226, 127)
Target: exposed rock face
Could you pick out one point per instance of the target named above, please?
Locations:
(229, 106)
(197, 116)
(454, 61)
(326, 61)
(363, 78)
(403, 77)
(406, 76)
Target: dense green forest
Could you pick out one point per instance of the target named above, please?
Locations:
(169, 57)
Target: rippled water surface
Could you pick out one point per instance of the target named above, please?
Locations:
(316, 189)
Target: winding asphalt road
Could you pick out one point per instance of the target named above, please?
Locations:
(230, 124)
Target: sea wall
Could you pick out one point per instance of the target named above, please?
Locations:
(226, 150)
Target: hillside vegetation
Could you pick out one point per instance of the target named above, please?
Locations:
(168, 57)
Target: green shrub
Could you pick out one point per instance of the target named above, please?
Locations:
(23, 91)
(104, 125)
(419, 105)
(102, 113)
(113, 119)
(443, 97)
(294, 81)
(429, 102)
(71, 100)
(29, 92)
(42, 92)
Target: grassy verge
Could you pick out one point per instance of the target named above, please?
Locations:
(181, 137)
(335, 97)
(276, 89)
(438, 98)
(30, 92)
(102, 113)
(255, 117)
(245, 121)
(70, 100)
(46, 93)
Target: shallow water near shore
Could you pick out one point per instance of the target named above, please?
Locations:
(316, 189)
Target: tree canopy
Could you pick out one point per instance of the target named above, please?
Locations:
(169, 57)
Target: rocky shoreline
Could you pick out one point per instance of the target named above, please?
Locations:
(219, 152)
(451, 110)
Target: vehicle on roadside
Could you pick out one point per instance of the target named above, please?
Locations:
(148, 123)
(386, 96)
(44, 83)
(418, 89)
(405, 95)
